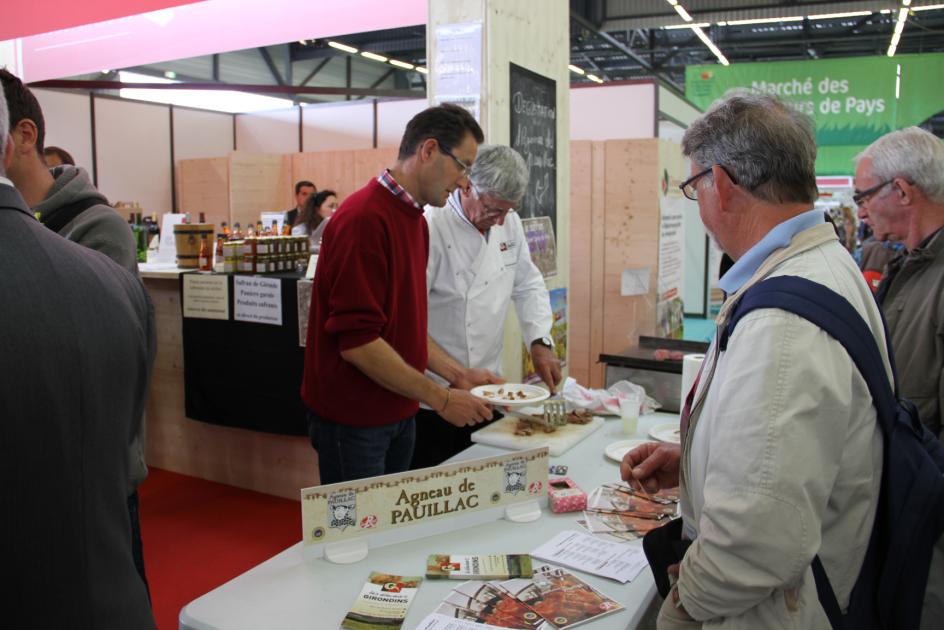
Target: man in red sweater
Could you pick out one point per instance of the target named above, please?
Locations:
(368, 344)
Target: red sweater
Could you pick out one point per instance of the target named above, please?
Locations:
(370, 282)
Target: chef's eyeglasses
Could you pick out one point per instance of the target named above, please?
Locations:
(462, 165)
(862, 196)
(688, 186)
(490, 209)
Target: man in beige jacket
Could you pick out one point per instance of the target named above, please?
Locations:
(781, 455)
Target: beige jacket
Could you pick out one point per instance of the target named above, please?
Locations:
(783, 457)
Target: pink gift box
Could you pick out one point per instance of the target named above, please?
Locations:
(564, 495)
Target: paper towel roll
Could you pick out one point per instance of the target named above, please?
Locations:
(691, 363)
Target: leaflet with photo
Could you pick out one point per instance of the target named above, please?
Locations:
(487, 603)
(491, 567)
(561, 598)
(382, 603)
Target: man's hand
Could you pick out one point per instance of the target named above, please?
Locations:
(546, 365)
(654, 464)
(471, 377)
(463, 409)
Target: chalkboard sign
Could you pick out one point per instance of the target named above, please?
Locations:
(534, 136)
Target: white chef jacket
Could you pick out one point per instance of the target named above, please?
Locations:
(472, 278)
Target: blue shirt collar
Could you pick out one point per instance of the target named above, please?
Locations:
(777, 238)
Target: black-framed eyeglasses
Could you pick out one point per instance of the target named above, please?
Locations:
(860, 197)
(688, 186)
(489, 209)
(465, 167)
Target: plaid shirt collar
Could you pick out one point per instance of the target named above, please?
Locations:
(387, 181)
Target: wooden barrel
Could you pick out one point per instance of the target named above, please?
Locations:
(187, 237)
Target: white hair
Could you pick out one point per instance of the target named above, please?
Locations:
(4, 130)
(500, 171)
(913, 154)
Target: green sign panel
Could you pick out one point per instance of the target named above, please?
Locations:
(852, 101)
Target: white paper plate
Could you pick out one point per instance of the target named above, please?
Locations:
(533, 394)
(668, 432)
(616, 450)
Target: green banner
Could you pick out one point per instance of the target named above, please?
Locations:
(852, 101)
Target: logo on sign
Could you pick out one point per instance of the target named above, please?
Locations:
(342, 509)
(516, 476)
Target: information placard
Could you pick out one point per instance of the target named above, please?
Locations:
(257, 300)
(348, 510)
(534, 136)
(206, 296)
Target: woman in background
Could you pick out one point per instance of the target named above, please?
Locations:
(314, 216)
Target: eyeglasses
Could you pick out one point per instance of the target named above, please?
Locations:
(862, 196)
(465, 167)
(688, 186)
(489, 209)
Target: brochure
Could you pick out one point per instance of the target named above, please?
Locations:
(561, 598)
(495, 567)
(486, 602)
(585, 552)
(382, 603)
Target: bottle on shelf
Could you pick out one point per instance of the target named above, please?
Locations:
(219, 256)
(205, 261)
(286, 229)
(141, 239)
(225, 230)
(275, 227)
(250, 232)
(237, 232)
(203, 217)
(259, 228)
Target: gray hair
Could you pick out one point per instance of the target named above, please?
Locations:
(500, 171)
(766, 144)
(913, 154)
(4, 130)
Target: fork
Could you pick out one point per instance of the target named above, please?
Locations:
(555, 413)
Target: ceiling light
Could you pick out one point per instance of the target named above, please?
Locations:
(899, 27)
(885, 11)
(927, 7)
(170, 74)
(831, 16)
(303, 42)
(722, 23)
(105, 71)
(344, 47)
(594, 78)
(689, 25)
(374, 56)
(672, 2)
(401, 64)
(906, 3)
(683, 13)
(711, 46)
(230, 101)
(576, 69)
(773, 20)
(422, 70)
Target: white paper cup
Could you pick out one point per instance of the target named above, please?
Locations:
(629, 413)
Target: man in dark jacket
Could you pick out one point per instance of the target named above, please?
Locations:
(900, 191)
(76, 350)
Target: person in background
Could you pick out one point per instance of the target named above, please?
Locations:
(56, 156)
(314, 217)
(66, 202)
(899, 182)
(78, 346)
(367, 345)
(479, 262)
(781, 455)
(303, 190)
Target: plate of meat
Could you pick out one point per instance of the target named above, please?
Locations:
(510, 394)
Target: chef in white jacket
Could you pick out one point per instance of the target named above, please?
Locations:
(479, 262)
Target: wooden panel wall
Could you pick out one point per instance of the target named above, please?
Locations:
(259, 182)
(328, 170)
(204, 187)
(371, 163)
(631, 237)
(273, 464)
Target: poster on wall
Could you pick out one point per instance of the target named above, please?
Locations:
(534, 135)
(457, 73)
(670, 310)
(539, 233)
(558, 334)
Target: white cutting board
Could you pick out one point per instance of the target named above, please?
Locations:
(502, 435)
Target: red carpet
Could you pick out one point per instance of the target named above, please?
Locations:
(198, 534)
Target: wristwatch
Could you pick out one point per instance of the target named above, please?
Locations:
(547, 342)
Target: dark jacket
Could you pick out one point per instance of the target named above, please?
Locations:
(76, 350)
(912, 297)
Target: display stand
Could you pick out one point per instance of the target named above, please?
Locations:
(346, 551)
(523, 512)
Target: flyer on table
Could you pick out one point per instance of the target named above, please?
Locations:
(382, 603)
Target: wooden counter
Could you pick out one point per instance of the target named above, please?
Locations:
(273, 464)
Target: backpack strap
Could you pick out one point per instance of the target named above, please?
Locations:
(65, 215)
(839, 319)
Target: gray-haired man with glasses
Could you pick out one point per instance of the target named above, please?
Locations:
(781, 454)
(479, 262)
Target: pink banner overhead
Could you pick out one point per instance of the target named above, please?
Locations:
(203, 28)
(42, 16)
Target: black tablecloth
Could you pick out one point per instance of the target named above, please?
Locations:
(246, 375)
